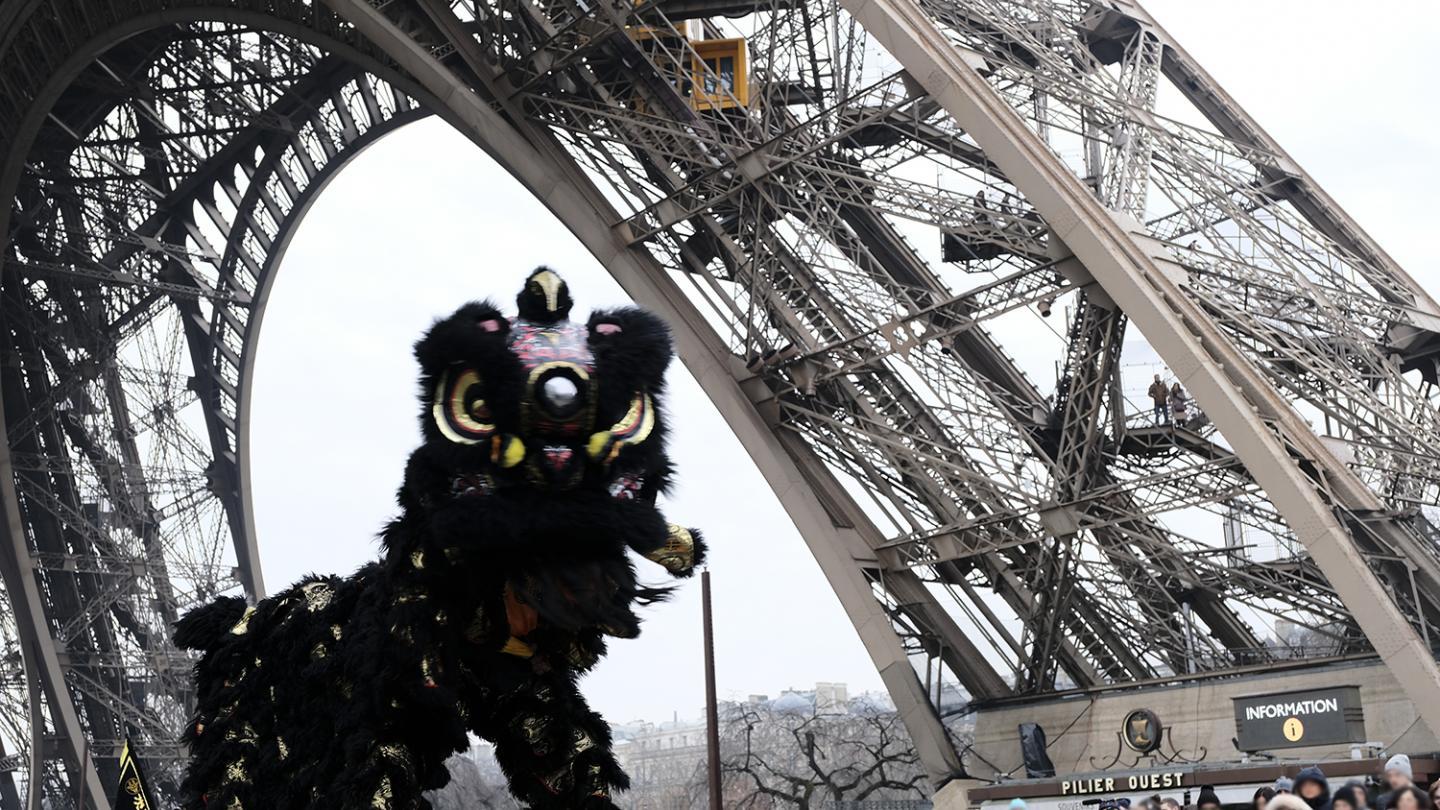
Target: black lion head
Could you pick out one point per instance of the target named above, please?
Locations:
(539, 402)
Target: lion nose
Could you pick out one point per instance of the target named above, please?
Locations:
(560, 396)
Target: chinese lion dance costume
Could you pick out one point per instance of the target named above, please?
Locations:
(543, 454)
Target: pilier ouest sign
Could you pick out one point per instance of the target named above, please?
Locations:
(1299, 719)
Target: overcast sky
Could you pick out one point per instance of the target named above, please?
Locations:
(424, 221)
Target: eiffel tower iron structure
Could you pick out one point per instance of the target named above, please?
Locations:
(907, 247)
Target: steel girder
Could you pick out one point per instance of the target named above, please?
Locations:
(175, 150)
(1242, 391)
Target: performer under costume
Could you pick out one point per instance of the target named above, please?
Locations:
(543, 455)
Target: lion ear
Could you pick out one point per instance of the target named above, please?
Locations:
(633, 344)
(473, 332)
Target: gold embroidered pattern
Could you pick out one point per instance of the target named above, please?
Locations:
(678, 554)
(532, 728)
(243, 626)
(384, 794)
(317, 596)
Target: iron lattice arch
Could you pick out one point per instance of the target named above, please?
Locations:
(858, 237)
(159, 193)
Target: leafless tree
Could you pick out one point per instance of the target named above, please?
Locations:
(813, 759)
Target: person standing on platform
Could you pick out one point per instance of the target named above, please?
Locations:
(1158, 394)
(1178, 406)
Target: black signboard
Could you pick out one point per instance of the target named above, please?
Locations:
(1298, 719)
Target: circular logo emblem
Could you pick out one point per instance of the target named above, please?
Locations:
(1293, 729)
(1142, 731)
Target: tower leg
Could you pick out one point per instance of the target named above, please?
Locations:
(955, 795)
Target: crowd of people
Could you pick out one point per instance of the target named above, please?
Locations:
(1310, 790)
(1394, 789)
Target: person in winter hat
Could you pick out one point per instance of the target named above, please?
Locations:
(1262, 798)
(1208, 799)
(1398, 776)
(1345, 799)
(1362, 793)
(1284, 785)
(1312, 786)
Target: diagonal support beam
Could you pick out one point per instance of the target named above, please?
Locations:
(1269, 436)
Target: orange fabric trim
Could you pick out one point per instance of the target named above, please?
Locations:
(521, 617)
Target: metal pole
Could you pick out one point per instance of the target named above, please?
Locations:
(712, 713)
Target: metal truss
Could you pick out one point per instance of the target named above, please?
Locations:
(162, 185)
(858, 248)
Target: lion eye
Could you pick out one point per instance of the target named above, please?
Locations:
(459, 409)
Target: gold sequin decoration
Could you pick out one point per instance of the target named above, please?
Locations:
(559, 781)
(428, 670)
(407, 596)
(245, 734)
(417, 559)
(383, 795)
(318, 652)
(600, 791)
(678, 554)
(243, 626)
(235, 772)
(532, 728)
(317, 596)
(476, 630)
(579, 657)
(281, 747)
(395, 753)
(335, 631)
(442, 618)
(583, 741)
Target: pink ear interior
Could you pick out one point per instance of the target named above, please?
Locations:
(608, 328)
(490, 325)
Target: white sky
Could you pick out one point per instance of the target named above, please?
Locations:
(424, 221)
